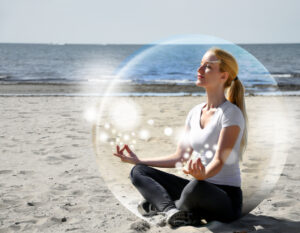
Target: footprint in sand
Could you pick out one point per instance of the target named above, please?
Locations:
(5, 172)
(283, 204)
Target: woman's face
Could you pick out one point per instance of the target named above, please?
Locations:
(209, 75)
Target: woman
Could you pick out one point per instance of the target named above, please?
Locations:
(217, 131)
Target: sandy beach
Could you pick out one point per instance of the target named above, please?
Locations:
(51, 179)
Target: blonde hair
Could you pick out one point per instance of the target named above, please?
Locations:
(235, 88)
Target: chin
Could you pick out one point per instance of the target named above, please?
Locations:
(199, 84)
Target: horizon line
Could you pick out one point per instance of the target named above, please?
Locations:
(55, 43)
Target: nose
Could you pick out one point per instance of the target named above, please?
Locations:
(200, 68)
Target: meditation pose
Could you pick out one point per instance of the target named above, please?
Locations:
(216, 130)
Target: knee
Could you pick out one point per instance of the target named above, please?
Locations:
(136, 171)
(190, 195)
(194, 187)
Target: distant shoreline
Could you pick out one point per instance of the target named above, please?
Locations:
(128, 89)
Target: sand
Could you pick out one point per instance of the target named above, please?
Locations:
(50, 179)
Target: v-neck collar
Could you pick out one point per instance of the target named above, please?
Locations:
(211, 118)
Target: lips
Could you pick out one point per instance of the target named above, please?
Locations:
(200, 76)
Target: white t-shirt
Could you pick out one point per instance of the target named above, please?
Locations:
(204, 141)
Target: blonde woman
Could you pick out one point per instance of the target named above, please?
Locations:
(217, 131)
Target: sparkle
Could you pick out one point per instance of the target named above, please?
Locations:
(144, 134)
(133, 133)
(134, 141)
(111, 143)
(215, 147)
(103, 137)
(168, 131)
(178, 165)
(206, 146)
(125, 121)
(126, 137)
(150, 122)
(186, 155)
(90, 114)
(209, 154)
(107, 126)
(196, 154)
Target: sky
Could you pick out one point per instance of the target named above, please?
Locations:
(146, 21)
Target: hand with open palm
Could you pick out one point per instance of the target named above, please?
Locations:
(128, 158)
(196, 169)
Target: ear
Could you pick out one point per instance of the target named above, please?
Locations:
(224, 76)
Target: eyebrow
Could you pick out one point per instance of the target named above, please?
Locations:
(216, 61)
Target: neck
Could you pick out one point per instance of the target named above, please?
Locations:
(215, 98)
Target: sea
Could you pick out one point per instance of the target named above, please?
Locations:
(262, 67)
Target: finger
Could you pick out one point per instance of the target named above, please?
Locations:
(127, 148)
(118, 155)
(195, 165)
(118, 149)
(190, 165)
(201, 166)
(121, 151)
(185, 171)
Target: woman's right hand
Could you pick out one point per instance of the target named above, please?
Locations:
(130, 158)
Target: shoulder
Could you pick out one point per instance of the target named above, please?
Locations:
(193, 111)
(232, 108)
(232, 115)
(196, 107)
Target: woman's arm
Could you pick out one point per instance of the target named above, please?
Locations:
(227, 139)
(171, 160)
(165, 161)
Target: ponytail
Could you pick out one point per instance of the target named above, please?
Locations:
(235, 94)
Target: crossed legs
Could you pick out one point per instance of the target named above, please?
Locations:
(166, 191)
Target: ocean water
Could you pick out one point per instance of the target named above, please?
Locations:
(261, 66)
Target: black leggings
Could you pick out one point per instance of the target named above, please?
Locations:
(206, 200)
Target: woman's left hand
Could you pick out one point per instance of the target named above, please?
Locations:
(196, 169)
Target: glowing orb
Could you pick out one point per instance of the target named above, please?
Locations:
(144, 134)
(124, 114)
(168, 131)
(150, 122)
(126, 118)
(90, 114)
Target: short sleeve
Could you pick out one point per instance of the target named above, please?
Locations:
(233, 116)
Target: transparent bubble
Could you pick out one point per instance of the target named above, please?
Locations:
(126, 108)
